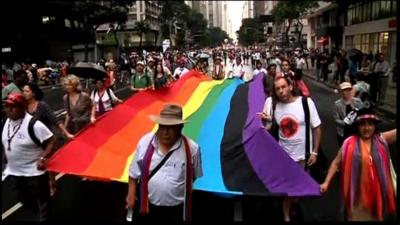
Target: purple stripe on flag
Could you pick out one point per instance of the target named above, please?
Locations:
(274, 167)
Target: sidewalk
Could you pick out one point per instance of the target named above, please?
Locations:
(390, 102)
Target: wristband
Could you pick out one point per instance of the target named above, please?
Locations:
(314, 153)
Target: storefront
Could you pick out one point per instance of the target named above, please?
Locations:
(384, 41)
(371, 27)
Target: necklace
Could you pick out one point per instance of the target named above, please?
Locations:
(15, 130)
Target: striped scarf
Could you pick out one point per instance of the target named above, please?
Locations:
(144, 192)
(366, 179)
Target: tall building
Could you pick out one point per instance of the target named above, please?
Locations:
(214, 14)
(129, 37)
(225, 16)
(259, 8)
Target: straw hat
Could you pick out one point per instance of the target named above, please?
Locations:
(171, 114)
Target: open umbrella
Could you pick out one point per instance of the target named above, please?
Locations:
(88, 70)
(354, 52)
(203, 55)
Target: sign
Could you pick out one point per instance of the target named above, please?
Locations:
(392, 23)
(7, 49)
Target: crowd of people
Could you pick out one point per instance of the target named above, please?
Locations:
(289, 113)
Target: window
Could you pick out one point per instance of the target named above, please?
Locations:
(349, 42)
(67, 23)
(364, 43)
(385, 8)
(357, 41)
(350, 16)
(45, 19)
(394, 7)
(366, 12)
(357, 14)
(375, 10)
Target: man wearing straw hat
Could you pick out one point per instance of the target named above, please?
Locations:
(165, 163)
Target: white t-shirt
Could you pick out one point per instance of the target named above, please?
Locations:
(106, 99)
(257, 71)
(24, 154)
(180, 71)
(237, 70)
(290, 117)
(167, 186)
(300, 63)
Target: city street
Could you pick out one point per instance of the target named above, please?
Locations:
(104, 201)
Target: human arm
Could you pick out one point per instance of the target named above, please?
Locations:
(315, 124)
(114, 98)
(390, 136)
(92, 112)
(48, 151)
(131, 196)
(47, 138)
(317, 140)
(333, 169)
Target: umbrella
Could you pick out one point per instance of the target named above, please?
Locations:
(203, 55)
(88, 70)
(354, 52)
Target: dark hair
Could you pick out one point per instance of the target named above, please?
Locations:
(289, 81)
(19, 73)
(38, 93)
(271, 65)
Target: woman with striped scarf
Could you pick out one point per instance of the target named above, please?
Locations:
(367, 181)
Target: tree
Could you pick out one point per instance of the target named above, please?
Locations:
(250, 32)
(171, 12)
(216, 36)
(142, 27)
(292, 11)
(95, 14)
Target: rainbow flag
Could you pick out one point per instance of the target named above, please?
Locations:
(238, 155)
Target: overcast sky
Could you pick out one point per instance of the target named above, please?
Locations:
(235, 9)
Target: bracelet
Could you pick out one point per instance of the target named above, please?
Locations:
(314, 153)
(43, 158)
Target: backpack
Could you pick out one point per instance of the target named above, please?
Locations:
(32, 134)
(145, 74)
(319, 170)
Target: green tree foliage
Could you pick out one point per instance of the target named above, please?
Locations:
(292, 11)
(142, 27)
(216, 36)
(250, 32)
(95, 14)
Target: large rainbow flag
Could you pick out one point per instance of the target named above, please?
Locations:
(238, 155)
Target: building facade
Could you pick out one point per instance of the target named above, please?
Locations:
(129, 36)
(369, 26)
(52, 31)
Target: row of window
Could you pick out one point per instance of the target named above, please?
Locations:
(375, 42)
(371, 10)
(67, 22)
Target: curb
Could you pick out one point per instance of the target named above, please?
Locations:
(378, 108)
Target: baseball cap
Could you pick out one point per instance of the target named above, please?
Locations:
(15, 98)
(345, 85)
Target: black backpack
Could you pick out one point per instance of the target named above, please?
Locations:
(32, 134)
(319, 170)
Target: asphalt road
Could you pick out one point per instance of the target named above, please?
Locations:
(104, 201)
